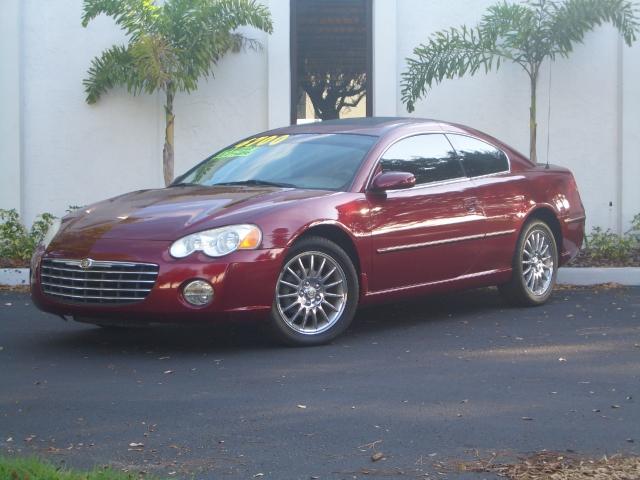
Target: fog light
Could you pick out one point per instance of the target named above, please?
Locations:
(198, 293)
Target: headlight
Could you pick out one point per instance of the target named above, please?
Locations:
(218, 242)
(51, 233)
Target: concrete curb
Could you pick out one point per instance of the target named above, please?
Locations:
(14, 277)
(566, 276)
(629, 276)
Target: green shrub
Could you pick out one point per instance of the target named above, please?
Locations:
(606, 245)
(634, 231)
(17, 243)
(36, 469)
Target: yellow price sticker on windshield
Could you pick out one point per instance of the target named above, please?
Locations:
(247, 147)
(262, 141)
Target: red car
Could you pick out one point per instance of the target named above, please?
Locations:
(302, 224)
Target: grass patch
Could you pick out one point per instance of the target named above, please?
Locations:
(35, 469)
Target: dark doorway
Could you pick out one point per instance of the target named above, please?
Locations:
(331, 59)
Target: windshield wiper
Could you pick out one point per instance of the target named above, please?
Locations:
(185, 184)
(265, 183)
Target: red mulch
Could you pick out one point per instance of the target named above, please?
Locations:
(8, 263)
(585, 259)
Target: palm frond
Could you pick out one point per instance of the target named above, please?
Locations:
(515, 28)
(572, 19)
(155, 61)
(202, 36)
(133, 16)
(231, 14)
(447, 54)
(525, 34)
(114, 67)
(174, 43)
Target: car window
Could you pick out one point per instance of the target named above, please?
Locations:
(429, 157)
(478, 157)
(311, 161)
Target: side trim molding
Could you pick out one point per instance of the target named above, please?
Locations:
(459, 278)
(433, 243)
(575, 219)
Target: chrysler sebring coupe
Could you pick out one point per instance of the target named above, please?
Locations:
(301, 225)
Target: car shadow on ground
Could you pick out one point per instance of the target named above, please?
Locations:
(254, 335)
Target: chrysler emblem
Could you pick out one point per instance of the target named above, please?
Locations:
(85, 263)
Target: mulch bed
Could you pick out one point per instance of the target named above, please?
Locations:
(551, 466)
(585, 259)
(15, 288)
(8, 263)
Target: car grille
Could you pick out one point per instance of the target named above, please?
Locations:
(97, 282)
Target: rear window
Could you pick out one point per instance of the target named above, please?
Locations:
(478, 157)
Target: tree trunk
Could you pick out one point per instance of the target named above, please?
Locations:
(533, 126)
(167, 151)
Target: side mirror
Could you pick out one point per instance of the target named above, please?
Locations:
(392, 181)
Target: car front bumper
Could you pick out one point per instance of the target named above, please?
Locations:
(243, 283)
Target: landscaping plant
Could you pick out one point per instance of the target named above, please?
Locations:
(35, 469)
(170, 46)
(606, 248)
(17, 243)
(523, 33)
(606, 245)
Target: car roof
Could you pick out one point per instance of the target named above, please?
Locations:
(375, 126)
(381, 126)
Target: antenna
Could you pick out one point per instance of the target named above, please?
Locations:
(549, 115)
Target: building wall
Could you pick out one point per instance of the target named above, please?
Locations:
(594, 126)
(74, 153)
(10, 95)
(55, 150)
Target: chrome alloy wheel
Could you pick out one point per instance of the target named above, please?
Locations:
(311, 293)
(537, 263)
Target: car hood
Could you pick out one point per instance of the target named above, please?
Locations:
(170, 213)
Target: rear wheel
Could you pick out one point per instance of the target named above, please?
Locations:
(535, 265)
(316, 293)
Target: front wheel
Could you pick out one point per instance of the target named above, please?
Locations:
(316, 294)
(535, 265)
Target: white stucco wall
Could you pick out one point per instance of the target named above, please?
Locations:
(10, 155)
(592, 130)
(74, 153)
(55, 150)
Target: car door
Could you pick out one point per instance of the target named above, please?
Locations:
(500, 195)
(427, 233)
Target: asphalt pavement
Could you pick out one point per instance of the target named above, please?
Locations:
(420, 383)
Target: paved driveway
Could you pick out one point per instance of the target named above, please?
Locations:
(419, 382)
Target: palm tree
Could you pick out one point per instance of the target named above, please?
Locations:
(171, 45)
(525, 34)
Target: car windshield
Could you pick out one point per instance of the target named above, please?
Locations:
(313, 161)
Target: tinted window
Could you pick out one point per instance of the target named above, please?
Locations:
(429, 157)
(327, 162)
(478, 157)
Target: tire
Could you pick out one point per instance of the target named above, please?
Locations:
(535, 266)
(316, 294)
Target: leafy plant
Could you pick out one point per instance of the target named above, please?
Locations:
(32, 468)
(634, 231)
(525, 34)
(171, 45)
(17, 243)
(606, 245)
